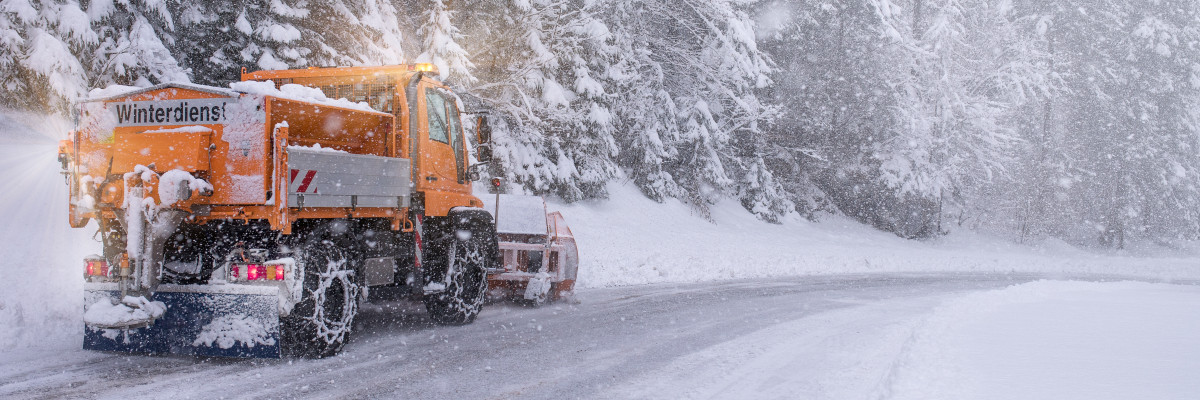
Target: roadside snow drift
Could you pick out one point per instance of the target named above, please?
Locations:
(630, 239)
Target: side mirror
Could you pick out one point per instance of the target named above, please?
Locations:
(483, 153)
(483, 131)
(473, 171)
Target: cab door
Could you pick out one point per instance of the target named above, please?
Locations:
(442, 172)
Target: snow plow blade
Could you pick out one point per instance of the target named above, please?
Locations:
(235, 321)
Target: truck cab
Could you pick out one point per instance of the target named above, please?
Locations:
(428, 124)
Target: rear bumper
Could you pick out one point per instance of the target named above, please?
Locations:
(204, 320)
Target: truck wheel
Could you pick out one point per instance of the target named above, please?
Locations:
(320, 324)
(460, 302)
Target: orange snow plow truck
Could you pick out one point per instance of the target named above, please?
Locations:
(250, 221)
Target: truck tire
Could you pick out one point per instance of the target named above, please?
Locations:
(469, 250)
(320, 324)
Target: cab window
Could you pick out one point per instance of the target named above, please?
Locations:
(435, 107)
(456, 141)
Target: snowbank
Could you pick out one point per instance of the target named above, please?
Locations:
(630, 240)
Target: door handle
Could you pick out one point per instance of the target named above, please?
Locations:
(431, 178)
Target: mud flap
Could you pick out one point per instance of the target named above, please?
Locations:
(200, 323)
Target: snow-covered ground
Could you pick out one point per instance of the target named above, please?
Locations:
(1039, 340)
(629, 239)
(1056, 338)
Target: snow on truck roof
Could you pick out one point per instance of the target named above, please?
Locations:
(518, 213)
(262, 88)
(296, 92)
(113, 92)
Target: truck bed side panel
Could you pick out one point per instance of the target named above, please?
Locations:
(330, 179)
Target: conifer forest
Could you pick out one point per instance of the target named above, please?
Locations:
(1076, 120)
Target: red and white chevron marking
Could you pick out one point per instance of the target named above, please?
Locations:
(305, 183)
(418, 241)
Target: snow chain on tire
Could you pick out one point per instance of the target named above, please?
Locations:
(465, 279)
(320, 324)
(334, 330)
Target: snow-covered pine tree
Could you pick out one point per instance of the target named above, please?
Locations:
(1027, 201)
(1134, 99)
(135, 40)
(215, 39)
(380, 36)
(760, 193)
(704, 57)
(645, 113)
(646, 118)
(440, 46)
(350, 32)
(953, 102)
(40, 47)
(833, 62)
(547, 76)
(219, 37)
(736, 54)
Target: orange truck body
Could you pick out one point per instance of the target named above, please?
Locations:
(234, 166)
(226, 204)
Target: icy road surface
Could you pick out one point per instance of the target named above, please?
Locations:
(839, 337)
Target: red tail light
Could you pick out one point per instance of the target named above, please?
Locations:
(255, 272)
(97, 267)
(258, 272)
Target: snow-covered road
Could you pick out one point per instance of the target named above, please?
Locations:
(941, 336)
(615, 343)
